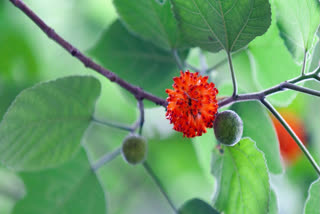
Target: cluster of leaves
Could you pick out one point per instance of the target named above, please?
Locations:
(42, 133)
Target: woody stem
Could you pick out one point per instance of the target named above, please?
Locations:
(276, 89)
(87, 62)
(234, 80)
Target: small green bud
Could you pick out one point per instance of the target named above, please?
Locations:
(228, 128)
(134, 149)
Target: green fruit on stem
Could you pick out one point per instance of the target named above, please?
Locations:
(134, 149)
(228, 128)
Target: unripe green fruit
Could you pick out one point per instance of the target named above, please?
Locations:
(134, 149)
(228, 128)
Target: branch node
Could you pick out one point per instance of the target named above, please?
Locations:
(50, 32)
(87, 62)
(261, 97)
(139, 97)
(282, 86)
(74, 51)
(113, 78)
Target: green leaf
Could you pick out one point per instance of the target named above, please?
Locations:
(114, 175)
(203, 146)
(11, 186)
(273, 204)
(243, 181)
(11, 190)
(178, 168)
(313, 200)
(150, 20)
(258, 126)
(100, 140)
(312, 104)
(72, 188)
(243, 66)
(273, 63)
(19, 67)
(19, 61)
(215, 25)
(138, 62)
(298, 22)
(197, 206)
(45, 124)
(8, 91)
(315, 61)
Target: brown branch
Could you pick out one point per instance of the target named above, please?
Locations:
(89, 63)
(276, 89)
(141, 94)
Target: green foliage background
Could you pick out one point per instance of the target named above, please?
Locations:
(140, 52)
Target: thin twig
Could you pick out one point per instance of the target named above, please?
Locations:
(270, 91)
(203, 63)
(218, 65)
(234, 80)
(304, 63)
(140, 121)
(134, 186)
(159, 184)
(192, 67)
(106, 158)
(141, 94)
(141, 109)
(318, 69)
(136, 91)
(112, 124)
(292, 133)
(89, 63)
(317, 78)
(221, 63)
(300, 78)
(302, 89)
(178, 60)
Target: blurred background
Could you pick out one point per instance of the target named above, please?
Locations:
(27, 57)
